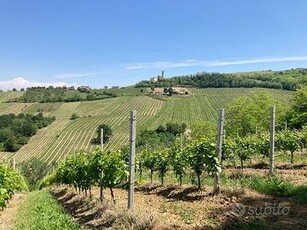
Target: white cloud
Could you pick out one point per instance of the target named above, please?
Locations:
(20, 82)
(203, 63)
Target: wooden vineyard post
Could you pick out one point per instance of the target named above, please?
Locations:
(132, 159)
(219, 146)
(14, 163)
(272, 140)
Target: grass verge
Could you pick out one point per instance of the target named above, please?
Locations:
(41, 211)
(276, 186)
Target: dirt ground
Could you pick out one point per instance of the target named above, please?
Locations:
(9, 214)
(174, 207)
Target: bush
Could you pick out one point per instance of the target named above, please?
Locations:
(107, 134)
(74, 116)
(34, 170)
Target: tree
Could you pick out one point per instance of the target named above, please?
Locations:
(15, 131)
(74, 116)
(202, 129)
(107, 134)
(250, 113)
(34, 170)
(148, 139)
(175, 129)
(170, 91)
(161, 129)
(11, 145)
(297, 116)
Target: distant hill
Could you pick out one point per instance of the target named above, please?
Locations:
(285, 80)
(65, 136)
(70, 94)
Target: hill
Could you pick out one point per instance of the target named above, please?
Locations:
(65, 136)
(288, 80)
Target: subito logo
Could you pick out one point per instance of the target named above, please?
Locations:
(239, 209)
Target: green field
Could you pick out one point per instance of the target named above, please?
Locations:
(41, 211)
(65, 136)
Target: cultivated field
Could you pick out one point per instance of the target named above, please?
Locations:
(66, 136)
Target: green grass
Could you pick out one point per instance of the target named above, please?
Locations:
(275, 186)
(272, 186)
(278, 187)
(187, 214)
(299, 158)
(41, 211)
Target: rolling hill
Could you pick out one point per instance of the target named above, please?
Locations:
(65, 136)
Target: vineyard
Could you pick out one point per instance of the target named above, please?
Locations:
(65, 136)
(176, 183)
(203, 105)
(9, 96)
(10, 183)
(193, 166)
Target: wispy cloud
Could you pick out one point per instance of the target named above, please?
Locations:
(20, 82)
(204, 63)
(257, 60)
(164, 64)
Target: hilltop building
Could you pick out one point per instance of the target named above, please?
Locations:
(158, 77)
(153, 79)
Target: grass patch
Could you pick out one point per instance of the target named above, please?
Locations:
(276, 186)
(272, 186)
(186, 214)
(41, 211)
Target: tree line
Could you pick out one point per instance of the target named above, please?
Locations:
(286, 80)
(16, 130)
(60, 94)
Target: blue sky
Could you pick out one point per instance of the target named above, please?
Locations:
(97, 43)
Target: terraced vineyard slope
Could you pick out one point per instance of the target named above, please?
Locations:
(66, 136)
